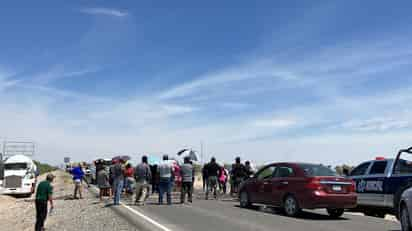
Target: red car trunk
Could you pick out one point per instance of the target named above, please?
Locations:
(331, 185)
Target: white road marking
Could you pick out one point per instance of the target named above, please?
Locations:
(153, 222)
(150, 220)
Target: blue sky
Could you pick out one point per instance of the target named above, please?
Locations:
(318, 81)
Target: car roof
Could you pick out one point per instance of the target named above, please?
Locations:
(297, 164)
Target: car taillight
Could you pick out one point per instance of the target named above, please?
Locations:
(314, 184)
(352, 187)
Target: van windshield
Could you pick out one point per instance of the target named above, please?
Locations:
(15, 166)
(317, 170)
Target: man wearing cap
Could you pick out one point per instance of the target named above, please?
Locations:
(43, 194)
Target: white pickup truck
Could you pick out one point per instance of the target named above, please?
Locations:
(20, 176)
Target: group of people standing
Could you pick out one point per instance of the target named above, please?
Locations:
(215, 176)
(122, 177)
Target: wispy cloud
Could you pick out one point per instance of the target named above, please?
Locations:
(275, 123)
(58, 72)
(377, 124)
(105, 12)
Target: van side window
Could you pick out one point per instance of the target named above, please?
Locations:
(360, 170)
(378, 167)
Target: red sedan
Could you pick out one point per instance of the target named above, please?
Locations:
(296, 186)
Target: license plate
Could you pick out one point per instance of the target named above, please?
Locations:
(337, 188)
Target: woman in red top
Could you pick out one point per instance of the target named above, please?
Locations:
(129, 178)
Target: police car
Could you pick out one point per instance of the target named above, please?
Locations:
(381, 182)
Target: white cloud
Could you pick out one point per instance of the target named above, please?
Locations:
(275, 123)
(60, 71)
(377, 124)
(105, 12)
(223, 80)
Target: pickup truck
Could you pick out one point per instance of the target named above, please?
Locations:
(381, 182)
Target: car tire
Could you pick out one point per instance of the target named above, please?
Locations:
(404, 219)
(244, 200)
(335, 213)
(291, 206)
(397, 198)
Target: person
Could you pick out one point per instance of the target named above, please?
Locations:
(102, 181)
(238, 174)
(187, 173)
(155, 179)
(78, 175)
(249, 169)
(165, 170)
(213, 172)
(177, 177)
(204, 177)
(223, 179)
(129, 178)
(118, 180)
(142, 175)
(44, 194)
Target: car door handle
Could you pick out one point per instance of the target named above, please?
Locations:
(284, 182)
(265, 183)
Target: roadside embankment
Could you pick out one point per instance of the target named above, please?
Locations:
(68, 214)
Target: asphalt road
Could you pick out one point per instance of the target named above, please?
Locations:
(225, 215)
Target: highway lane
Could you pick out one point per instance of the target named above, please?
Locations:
(226, 215)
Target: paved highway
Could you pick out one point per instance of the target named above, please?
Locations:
(226, 215)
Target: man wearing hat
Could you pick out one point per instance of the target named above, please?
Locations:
(44, 193)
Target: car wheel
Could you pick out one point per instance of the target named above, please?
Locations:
(291, 206)
(244, 200)
(397, 198)
(335, 213)
(405, 221)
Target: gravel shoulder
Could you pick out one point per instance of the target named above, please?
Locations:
(68, 214)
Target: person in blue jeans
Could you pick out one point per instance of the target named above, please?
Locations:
(118, 181)
(165, 170)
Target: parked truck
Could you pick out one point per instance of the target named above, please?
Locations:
(381, 182)
(20, 171)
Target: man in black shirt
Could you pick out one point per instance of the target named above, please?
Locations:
(213, 170)
(238, 174)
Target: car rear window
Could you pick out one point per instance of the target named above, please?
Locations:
(317, 170)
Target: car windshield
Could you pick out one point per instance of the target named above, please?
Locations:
(317, 170)
(15, 166)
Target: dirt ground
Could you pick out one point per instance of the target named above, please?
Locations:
(18, 214)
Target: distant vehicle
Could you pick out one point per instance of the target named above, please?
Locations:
(90, 174)
(99, 164)
(381, 182)
(20, 176)
(296, 186)
(1, 171)
(20, 171)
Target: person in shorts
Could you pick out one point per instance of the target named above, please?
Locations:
(213, 170)
(78, 175)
